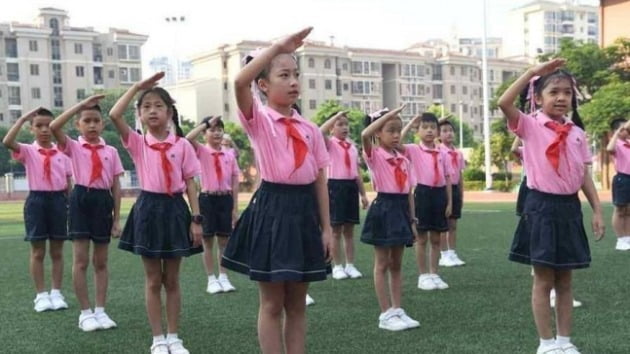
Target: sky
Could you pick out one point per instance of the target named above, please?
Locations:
(390, 24)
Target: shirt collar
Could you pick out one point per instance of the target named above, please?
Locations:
(150, 139)
(82, 141)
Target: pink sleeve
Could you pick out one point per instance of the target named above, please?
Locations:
(24, 153)
(412, 176)
(190, 164)
(133, 144)
(200, 150)
(586, 154)
(369, 159)
(118, 167)
(408, 148)
(236, 171)
(322, 158)
(68, 166)
(68, 148)
(253, 126)
(522, 126)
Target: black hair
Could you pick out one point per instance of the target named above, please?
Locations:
(616, 123)
(297, 108)
(428, 117)
(96, 108)
(443, 122)
(44, 112)
(542, 82)
(170, 103)
(218, 123)
(369, 118)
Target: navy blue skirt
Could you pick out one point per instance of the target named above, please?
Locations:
(158, 226)
(91, 214)
(343, 195)
(388, 221)
(430, 206)
(278, 236)
(522, 196)
(621, 189)
(551, 233)
(46, 216)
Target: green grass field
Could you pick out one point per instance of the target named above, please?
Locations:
(486, 310)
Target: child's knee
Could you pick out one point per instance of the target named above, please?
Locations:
(80, 263)
(38, 254)
(272, 307)
(171, 284)
(100, 264)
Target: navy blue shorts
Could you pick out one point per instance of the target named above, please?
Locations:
(456, 209)
(343, 196)
(91, 214)
(551, 233)
(388, 222)
(46, 216)
(430, 203)
(217, 214)
(621, 189)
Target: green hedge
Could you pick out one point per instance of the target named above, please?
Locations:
(499, 186)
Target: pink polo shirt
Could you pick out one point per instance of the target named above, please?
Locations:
(621, 156)
(540, 173)
(338, 168)
(274, 149)
(456, 165)
(383, 172)
(33, 161)
(82, 163)
(209, 176)
(421, 158)
(148, 162)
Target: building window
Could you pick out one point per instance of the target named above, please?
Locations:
(463, 70)
(54, 25)
(311, 62)
(453, 108)
(55, 49)
(327, 64)
(14, 96)
(134, 74)
(57, 96)
(453, 90)
(56, 73)
(437, 91)
(375, 67)
(465, 90)
(134, 52)
(78, 48)
(13, 72)
(97, 52)
(357, 67)
(122, 52)
(80, 94)
(225, 64)
(110, 52)
(312, 104)
(452, 68)
(344, 66)
(225, 86)
(80, 71)
(111, 74)
(34, 70)
(10, 45)
(123, 74)
(328, 84)
(15, 114)
(98, 76)
(226, 107)
(465, 108)
(32, 46)
(345, 87)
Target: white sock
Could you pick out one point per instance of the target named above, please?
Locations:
(560, 340)
(444, 253)
(157, 339)
(98, 310)
(171, 336)
(55, 292)
(547, 342)
(86, 312)
(212, 278)
(222, 276)
(349, 265)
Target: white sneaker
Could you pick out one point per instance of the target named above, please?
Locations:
(389, 321)
(439, 283)
(88, 323)
(214, 287)
(623, 244)
(42, 303)
(549, 349)
(338, 273)
(353, 272)
(456, 260)
(104, 320)
(309, 300)
(159, 348)
(409, 322)
(176, 346)
(226, 286)
(425, 282)
(58, 301)
(569, 348)
(446, 261)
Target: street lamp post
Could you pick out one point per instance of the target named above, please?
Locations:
(486, 113)
(461, 125)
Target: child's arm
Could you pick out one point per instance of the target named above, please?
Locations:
(321, 193)
(235, 187)
(506, 101)
(195, 229)
(588, 187)
(359, 179)
(9, 139)
(407, 128)
(412, 214)
(449, 197)
(194, 133)
(330, 123)
(613, 141)
(116, 113)
(56, 126)
(370, 130)
(117, 196)
(249, 72)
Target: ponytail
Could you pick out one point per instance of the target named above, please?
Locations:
(175, 118)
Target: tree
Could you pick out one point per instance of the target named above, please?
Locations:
(355, 117)
(609, 102)
(500, 145)
(246, 155)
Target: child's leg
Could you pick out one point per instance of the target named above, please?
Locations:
(270, 316)
(221, 244)
(564, 302)
(444, 244)
(208, 262)
(152, 293)
(625, 217)
(56, 256)
(395, 275)
(38, 252)
(173, 295)
(435, 252)
(337, 230)
(543, 283)
(295, 317)
(452, 234)
(421, 253)
(348, 235)
(382, 259)
(618, 219)
(101, 276)
(80, 261)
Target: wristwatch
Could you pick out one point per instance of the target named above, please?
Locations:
(197, 219)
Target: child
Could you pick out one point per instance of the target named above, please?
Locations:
(229, 146)
(94, 205)
(619, 148)
(448, 255)
(218, 200)
(388, 224)
(556, 158)
(432, 196)
(45, 211)
(283, 240)
(159, 223)
(344, 186)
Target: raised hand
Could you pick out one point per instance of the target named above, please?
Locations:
(548, 67)
(92, 100)
(150, 82)
(293, 41)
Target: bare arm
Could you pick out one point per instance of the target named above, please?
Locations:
(117, 196)
(195, 229)
(613, 141)
(408, 128)
(56, 126)
(449, 197)
(321, 193)
(588, 187)
(235, 190)
(9, 139)
(374, 127)
(194, 133)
